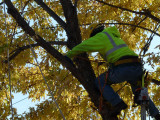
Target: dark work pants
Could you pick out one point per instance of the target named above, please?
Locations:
(126, 72)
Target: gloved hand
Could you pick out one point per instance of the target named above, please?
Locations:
(68, 59)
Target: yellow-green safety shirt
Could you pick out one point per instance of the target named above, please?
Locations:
(108, 43)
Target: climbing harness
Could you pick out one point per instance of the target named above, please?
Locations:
(9, 73)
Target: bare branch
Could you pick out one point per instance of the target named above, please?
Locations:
(21, 22)
(75, 4)
(135, 26)
(140, 22)
(152, 31)
(156, 82)
(51, 13)
(26, 3)
(118, 7)
(20, 49)
(147, 13)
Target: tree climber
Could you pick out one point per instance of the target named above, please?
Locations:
(124, 64)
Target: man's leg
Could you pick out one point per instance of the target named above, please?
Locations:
(110, 95)
(107, 91)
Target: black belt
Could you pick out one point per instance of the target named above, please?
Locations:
(127, 59)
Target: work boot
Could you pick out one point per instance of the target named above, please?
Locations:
(117, 108)
(157, 117)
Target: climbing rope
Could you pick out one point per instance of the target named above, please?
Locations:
(144, 91)
(42, 72)
(45, 79)
(9, 74)
(145, 48)
(101, 89)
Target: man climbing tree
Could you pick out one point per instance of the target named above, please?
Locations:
(53, 25)
(124, 64)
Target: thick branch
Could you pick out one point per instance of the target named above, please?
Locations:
(20, 49)
(21, 22)
(79, 74)
(146, 12)
(84, 73)
(67, 8)
(73, 30)
(51, 13)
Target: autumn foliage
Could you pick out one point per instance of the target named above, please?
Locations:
(55, 26)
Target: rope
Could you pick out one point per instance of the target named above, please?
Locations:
(101, 96)
(101, 89)
(9, 74)
(42, 73)
(20, 100)
(45, 80)
(145, 48)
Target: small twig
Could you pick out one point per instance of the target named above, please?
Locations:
(136, 26)
(75, 4)
(25, 6)
(145, 12)
(124, 9)
(130, 25)
(140, 22)
(156, 81)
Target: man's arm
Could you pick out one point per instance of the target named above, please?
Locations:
(93, 44)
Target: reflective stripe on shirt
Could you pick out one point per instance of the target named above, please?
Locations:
(115, 47)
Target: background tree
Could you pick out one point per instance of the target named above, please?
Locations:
(55, 26)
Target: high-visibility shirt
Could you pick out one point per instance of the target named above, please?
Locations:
(108, 43)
